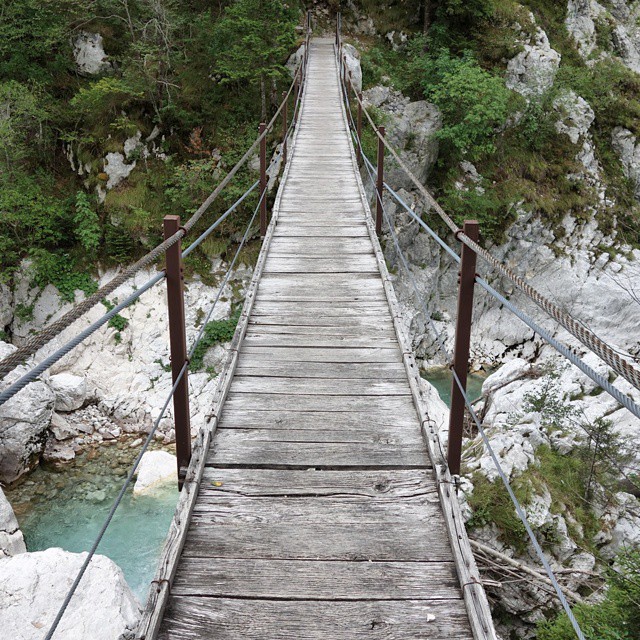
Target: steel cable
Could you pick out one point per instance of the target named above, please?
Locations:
(520, 512)
(620, 365)
(32, 344)
(613, 391)
(149, 438)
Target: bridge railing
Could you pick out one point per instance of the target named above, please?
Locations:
(171, 247)
(471, 250)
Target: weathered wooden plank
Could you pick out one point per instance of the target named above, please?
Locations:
(365, 331)
(291, 354)
(359, 264)
(396, 483)
(270, 339)
(320, 386)
(267, 367)
(246, 417)
(350, 308)
(295, 230)
(369, 323)
(231, 509)
(237, 619)
(357, 542)
(390, 438)
(316, 580)
(398, 405)
(244, 447)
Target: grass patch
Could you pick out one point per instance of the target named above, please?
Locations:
(216, 332)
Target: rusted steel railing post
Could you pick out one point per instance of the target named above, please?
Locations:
(284, 127)
(461, 351)
(263, 180)
(178, 347)
(338, 28)
(380, 182)
(349, 85)
(359, 123)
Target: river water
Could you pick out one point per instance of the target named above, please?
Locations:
(66, 508)
(441, 378)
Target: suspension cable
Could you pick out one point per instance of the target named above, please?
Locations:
(565, 351)
(587, 337)
(32, 344)
(149, 438)
(520, 512)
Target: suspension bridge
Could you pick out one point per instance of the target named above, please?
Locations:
(318, 502)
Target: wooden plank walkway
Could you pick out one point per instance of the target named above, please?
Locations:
(319, 514)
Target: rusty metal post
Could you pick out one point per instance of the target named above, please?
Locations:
(338, 28)
(263, 180)
(349, 85)
(462, 344)
(284, 127)
(359, 123)
(380, 182)
(178, 346)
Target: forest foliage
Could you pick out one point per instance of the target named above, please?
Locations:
(202, 73)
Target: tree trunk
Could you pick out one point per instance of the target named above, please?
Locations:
(426, 25)
(263, 97)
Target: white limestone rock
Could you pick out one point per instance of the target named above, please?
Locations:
(534, 69)
(89, 54)
(580, 23)
(70, 391)
(412, 129)
(61, 428)
(295, 59)
(352, 62)
(156, 469)
(24, 421)
(627, 147)
(117, 169)
(6, 306)
(516, 369)
(33, 586)
(11, 538)
(622, 17)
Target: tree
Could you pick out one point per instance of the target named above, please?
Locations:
(252, 41)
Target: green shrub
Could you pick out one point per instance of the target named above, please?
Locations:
(60, 270)
(86, 223)
(617, 617)
(215, 332)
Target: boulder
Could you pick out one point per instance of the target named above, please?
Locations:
(534, 69)
(116, 168)
(411, 129)
(70, 391)
(580, 23)
(61, 428)
(156, 469)
(89, 54)
(24, 421)
(295, 59)
(34, 585)
(11, 538)
(627, 147)
(352, 62)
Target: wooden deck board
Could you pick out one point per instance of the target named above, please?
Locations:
(236, 619)
(318, 513)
